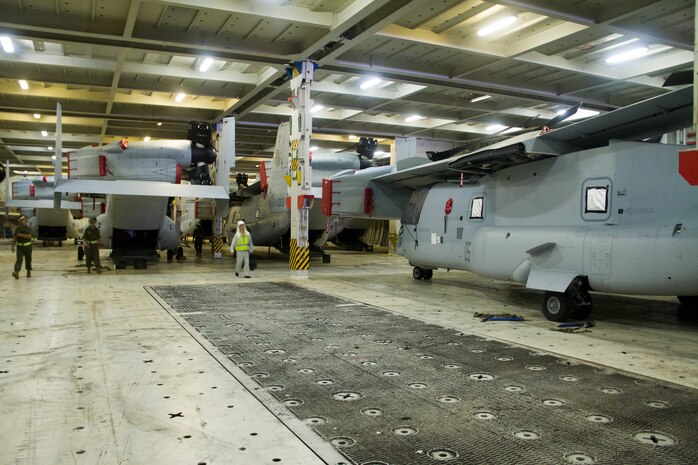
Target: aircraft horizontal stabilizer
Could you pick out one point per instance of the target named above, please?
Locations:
(141, 188)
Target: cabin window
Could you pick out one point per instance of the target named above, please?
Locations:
(596, 199)
(414, 207)
(477, 208)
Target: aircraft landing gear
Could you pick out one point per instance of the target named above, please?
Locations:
(574, 303)
(180, 253)
(170, 254)
(422, 273)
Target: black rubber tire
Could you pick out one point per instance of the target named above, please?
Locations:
(417, 273)
(690, 301)
(170, 254)
(81, 253)
(582, 312)
(556, 306)
(428, 274)
(180, 253)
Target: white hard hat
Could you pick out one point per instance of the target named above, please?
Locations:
(240, 222)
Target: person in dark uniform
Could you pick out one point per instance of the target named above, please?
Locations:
(23, 242)
(91, 240)
(198, 239)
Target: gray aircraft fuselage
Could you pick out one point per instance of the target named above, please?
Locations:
(621, 217)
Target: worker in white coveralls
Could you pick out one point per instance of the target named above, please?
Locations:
(242, 247)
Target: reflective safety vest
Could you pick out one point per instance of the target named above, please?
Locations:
(242, 243)
(24, 244)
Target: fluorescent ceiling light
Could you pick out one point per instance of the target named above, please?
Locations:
(180, 96)
(160, 124)
(316, 108)
(581, 113)
(370, 83)
(495, 127)
(44, 133)
(205, 65)
(512, 129)
(37, 116)
(53, 157)
(23, 84)
(480, 98)
(49, 148)
(7, 44)
(413, 118)
(146, 139)
(352, 137)
(627, 55)
(496, 26)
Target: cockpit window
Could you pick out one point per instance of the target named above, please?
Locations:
(596, 199)
(414, 207)
(477, 210)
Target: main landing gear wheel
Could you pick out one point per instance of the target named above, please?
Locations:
(81, 253)
(556, 306)
(428, 274)
(170, 254)
(180, 253)
(574, 303)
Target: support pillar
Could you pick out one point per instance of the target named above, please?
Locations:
(300, 174)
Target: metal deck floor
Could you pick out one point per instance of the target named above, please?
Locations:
(385, 388)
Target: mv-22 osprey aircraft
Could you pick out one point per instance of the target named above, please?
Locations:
(138, 180)
(263, 205)
(587, 207)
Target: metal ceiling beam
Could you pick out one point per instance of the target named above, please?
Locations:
(261, 9)
(602, 17)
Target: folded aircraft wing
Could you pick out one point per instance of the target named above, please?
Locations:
(659, 115)
(141, 188)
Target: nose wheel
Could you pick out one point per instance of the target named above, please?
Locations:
(422, 273)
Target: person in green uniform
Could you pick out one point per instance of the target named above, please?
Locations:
(91, 240)
(23, 242)
(198, 239)
(242, 246)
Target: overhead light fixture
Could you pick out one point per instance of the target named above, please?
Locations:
(180, 96)
(205, 65)
(370, 83)
(497, 26)
(627, 55)
(37, 116)
(413, 118)
(159, 123)
(352, 137)
(581, 113)
(316, 108)
(23, 84)
(7, 44)
(146, 139)
(50, 148)
(480, 98)
(44, 133)
(495, 127)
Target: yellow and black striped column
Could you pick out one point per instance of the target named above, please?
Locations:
(300, 257)
(217, 244)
